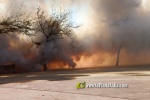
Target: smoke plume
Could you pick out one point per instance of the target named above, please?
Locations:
(105, 24)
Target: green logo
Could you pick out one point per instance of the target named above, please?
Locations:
(81, 85)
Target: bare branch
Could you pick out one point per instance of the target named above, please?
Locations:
(55, 26)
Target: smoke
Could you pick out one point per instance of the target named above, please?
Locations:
(126, 21)
(105, 25)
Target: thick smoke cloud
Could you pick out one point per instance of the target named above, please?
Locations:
(106, 23)
(126, 21)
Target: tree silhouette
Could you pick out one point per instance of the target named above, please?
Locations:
(52, 27)
(118, 53)
(19, 22)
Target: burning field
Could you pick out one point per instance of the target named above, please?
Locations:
(110, 33)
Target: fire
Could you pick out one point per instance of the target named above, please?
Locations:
(56, 65)
(100, 58)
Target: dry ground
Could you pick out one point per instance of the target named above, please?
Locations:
(61, 85)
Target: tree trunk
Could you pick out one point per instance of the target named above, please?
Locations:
(118, 54)
(45, 67)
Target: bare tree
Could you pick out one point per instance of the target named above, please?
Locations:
(124, 20)
(15, 24)
(53, 27)
(118, 53)
(19, 22)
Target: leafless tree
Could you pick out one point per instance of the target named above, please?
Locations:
(118, 53)
(14, 24)
(19, 22)
(55, 26)
(52, 27)
(126, 19)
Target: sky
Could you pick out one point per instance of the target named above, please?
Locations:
(104, 24)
